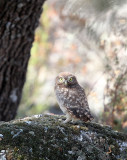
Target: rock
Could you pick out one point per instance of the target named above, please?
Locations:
(45, 137)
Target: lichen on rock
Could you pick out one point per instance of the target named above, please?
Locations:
(46, 137)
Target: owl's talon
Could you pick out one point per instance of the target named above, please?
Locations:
(74, 122)
(67, 120)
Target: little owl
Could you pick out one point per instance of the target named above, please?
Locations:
(71, 98)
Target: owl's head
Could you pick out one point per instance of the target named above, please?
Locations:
(66, 79)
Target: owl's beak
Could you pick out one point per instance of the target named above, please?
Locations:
(65, 83)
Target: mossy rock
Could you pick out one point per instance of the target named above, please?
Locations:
(45, 137)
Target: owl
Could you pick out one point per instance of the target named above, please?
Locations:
(71, 98)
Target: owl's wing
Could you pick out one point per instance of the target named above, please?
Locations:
(78, 106)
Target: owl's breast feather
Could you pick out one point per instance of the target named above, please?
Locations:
(62, 95)
(62, 98)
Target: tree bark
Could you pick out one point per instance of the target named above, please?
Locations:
(18, 21)
(45, 137)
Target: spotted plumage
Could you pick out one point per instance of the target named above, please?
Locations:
(71, 98)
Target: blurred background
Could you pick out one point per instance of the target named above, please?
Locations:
(100, 66)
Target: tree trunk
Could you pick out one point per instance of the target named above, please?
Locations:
(18, 21)
(47, 138)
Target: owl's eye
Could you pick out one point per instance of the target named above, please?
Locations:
(70, 79)
(61, 80)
